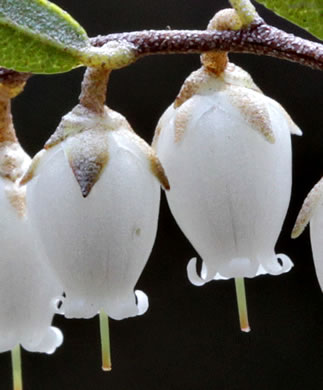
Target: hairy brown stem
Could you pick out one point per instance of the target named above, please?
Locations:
(11, 84)
(94, 89)
(259, 38)
(11, 77)
(7, 131)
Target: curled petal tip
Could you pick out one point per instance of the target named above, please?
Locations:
(281, 265)
(58, 335)
(246, 329)
(57, 304)
(285, 263)
(193, 276)
(142, 302)
(52, 340)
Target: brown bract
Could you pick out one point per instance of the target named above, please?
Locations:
(183, 116)
(84, 137)
(309, 206)
(32, 168)
(87, 154)
(191, 85)
(155, 165)
(253, 110)
(17, 198)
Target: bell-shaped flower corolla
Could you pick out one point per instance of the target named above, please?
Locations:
(226, 150)
(94, 197)
(312, 212)
(28, 288)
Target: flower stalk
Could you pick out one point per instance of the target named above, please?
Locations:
(7, 131)
(94, 89)
(11, 84)
(242, 304)
(93, 97)
(105, 341)
(16, 368)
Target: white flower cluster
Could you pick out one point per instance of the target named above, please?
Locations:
(89, 220)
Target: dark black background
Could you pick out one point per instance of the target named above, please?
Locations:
(190, 338)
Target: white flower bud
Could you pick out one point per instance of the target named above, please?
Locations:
(227, 152)
(312, 211)
(28, 289)
(94, 198)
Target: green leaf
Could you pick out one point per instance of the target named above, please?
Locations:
(308, 14)
(37, 36)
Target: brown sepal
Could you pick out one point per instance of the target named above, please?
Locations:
(87, 154)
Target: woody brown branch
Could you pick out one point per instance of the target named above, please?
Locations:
(259, 38)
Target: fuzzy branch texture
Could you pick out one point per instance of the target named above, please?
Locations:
(258, 38)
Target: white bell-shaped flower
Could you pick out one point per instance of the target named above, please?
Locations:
(312, 212)
(226, 150)
(28, 288)
(97, 237)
